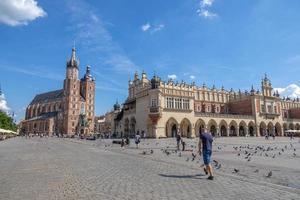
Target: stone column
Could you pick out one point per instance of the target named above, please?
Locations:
(238, 131)
(246, 129)
(193, 131)
(257, 131)
(228, 131)
(218, 132)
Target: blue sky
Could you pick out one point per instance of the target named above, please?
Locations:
(222, 42)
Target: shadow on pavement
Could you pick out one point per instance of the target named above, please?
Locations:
(196, 176)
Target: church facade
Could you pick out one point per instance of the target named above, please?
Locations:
(67, 111)
(165, 108)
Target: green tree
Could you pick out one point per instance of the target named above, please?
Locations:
(6, 122)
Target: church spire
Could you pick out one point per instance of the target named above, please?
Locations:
(73, 62)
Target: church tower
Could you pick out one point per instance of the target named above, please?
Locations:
(87, 90)
(71, 96)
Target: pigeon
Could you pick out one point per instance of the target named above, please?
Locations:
(194, 156)
(179, 154)
(256, 171)
(235, 170)
(269, 174)
(279, 153)
(238, 154)
(151, 151)
(187, 159)
(219, 166)
(249, 159)
(274, 156)
(144, 153)
(294, 154)
(216, 162)
(294, 149)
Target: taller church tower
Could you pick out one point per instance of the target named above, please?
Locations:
(71, 96)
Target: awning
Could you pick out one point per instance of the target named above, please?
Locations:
(7, 131)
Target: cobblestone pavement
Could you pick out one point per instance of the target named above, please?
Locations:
(53, 168)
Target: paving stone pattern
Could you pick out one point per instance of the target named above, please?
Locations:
(56, 168)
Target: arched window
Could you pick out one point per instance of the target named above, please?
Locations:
(82, 109)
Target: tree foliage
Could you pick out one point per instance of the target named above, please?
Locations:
(6, 122)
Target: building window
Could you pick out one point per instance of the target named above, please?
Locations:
(263, 109)
(153, 102)
(186, 104)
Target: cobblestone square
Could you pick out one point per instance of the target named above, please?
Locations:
(56, 168)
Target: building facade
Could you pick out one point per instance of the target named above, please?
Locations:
(67, 111)
(164, 108)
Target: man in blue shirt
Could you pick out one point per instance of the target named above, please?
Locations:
(205, 147)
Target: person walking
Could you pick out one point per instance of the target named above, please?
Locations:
(178, 140)
(205, 147)
(137, 139)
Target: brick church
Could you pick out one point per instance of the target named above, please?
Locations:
(67, 111)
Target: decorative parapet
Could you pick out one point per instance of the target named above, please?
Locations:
(291, 120)
(218, 115)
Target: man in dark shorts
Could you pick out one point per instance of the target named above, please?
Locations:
(205, 147)
(178, 140)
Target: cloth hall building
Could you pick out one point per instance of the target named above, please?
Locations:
(164, 108)
(67, 111)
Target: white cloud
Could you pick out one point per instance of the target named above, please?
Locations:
(158, 28)
(92, 34)
(41, 72)
(291, 90)
(146, 27)
(172, 76)
(152, 28)
(203, 10)
(192, 77)
(206, 14)
(19, 12)
(206, 3)
(3, 103)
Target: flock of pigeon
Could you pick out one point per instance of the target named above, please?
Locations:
(246, 152)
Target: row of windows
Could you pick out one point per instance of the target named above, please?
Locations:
(178, 92)
(177, 103)
(207, 108)
(207, 96)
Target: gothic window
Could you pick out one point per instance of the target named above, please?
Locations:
(82, 110)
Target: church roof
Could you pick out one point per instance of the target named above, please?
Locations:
(44, 116)
(48, 97)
